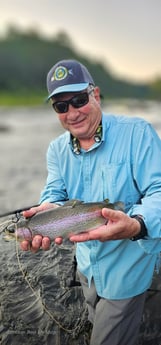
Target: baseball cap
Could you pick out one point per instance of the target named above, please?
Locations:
(68, 76)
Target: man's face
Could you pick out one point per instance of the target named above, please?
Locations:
(82, 122)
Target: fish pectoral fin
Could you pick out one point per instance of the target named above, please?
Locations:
(73, 202)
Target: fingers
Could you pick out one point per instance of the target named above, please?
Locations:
(84, 236)
(45, 243)
(111, 214)
(25, 245)
(37, 243)
(58, 240)
(42, 207)
(97, 234)
(29, 213)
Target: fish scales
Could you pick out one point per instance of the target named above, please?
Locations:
(68, 221)
(73, 217)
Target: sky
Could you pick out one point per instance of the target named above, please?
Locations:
(125, 35)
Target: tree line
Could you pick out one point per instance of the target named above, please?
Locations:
(26, 57)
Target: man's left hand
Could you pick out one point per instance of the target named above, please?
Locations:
(119, 226)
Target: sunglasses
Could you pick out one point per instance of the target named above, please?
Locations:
(76, 101)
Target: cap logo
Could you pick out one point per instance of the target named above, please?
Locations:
(60, 73)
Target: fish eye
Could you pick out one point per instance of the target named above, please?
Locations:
(10, 230)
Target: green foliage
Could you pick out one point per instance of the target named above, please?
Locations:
(22, 98)
(155, 88)
(26, 57)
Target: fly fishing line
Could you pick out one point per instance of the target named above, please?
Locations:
(77, 328)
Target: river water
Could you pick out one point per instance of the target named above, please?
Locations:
(24, 137)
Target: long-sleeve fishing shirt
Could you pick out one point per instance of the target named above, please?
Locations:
(124, 166)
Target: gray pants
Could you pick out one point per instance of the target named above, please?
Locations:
(115, 322)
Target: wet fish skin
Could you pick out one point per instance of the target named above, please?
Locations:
(73, 217)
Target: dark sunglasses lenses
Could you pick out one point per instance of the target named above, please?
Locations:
(60, 107)
(80, 100)
(77, 101)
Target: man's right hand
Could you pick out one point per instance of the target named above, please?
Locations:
(38, 241)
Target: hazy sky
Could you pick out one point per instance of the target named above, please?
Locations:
(124, 34)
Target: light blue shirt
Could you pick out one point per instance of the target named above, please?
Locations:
(125, 166)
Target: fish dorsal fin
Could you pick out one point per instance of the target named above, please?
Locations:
(106, 201)
(73, 202)
(119, 205)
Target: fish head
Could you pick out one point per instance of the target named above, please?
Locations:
(8, 236)
(17, 233)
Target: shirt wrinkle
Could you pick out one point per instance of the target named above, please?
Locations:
(123, 166)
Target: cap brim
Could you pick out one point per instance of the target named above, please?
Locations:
(69, 88)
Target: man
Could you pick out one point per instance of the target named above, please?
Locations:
(101, 157)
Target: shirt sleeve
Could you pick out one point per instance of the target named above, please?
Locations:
(54, 190)
(147, 175)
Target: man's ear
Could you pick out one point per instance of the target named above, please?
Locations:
(97, 94)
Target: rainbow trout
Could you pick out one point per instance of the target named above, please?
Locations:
(72, 218)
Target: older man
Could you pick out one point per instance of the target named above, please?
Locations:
(105, 156)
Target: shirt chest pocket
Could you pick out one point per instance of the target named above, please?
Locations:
(118, 184)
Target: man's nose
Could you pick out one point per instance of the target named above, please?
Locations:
(73, 112)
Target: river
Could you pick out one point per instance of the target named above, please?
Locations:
(24, 137)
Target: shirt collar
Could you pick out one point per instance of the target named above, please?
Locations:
(98, 137)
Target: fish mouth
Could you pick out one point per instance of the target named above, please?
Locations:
(9, 235)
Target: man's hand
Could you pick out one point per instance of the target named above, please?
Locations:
(38, 241)
(119, 226)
